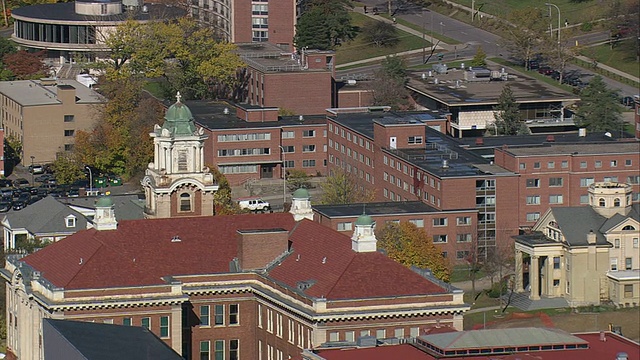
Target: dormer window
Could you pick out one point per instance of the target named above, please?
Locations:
(185, 202)
(70, 221)
(616, 202)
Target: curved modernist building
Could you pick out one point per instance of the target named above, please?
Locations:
(81, 27)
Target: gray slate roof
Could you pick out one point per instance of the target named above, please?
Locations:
(576, 222)
(97, 341)
(126, 207)
(46, 216)
(501, 338)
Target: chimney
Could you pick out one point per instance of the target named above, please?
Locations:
(551, 138)
(66, 94)
(591, 238)
(479, 141)
(258, 248)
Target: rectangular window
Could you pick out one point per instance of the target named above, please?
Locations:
(628, 263)
(463, 220)
(204, 315)
(334, 336)
(611, 179)
(288, 149)
(308, 148)
(463, 238)
(69, 118)
(218, 315)
(598, 164)
(164, 326)
(205, 351)
(218, 351)
(583, 164)
(584, 182)
(69, 132)
(556, 282)
(350, 336)
(635, 243)
(556, 262)
(462, 254)
(126, 321)
(551, 164)
(616, 243)
(534, 216)
(556, 182)
(555, 199)
(260, 316)
(614, 163)
(145, 322)
(628, 291)
(440, 222)
(523, 166)
(290, 164)
(234, 318)
(308, 163)
(614, 264)
(413, 140)
(635, 179)
(536, 165)
(628, 162)
(345, 226)
(417, 222)
(309, 133)
(439, 238)
(279, 325)
(234, 349)
(270, 320)
(533, 183)
(380, 334)
(533, 200)
(564, 164)
(291, 331)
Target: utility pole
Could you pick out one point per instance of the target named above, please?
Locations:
(473, 9)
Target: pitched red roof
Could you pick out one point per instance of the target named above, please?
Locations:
(325, 256)
(140, 252)
(404, 352)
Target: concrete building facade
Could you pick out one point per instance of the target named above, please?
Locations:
(44, 115)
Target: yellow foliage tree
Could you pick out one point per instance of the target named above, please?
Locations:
(410, 245)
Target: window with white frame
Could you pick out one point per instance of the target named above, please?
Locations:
(614, 264)
(585, 182)
(218, 315)
(234, 314)
(308, 148)
(350, 336)
(440, 221)
(555, 199)
(533, 216)
(533, 200)
(463, 238)
(463, 220)
(533, 183)
(345, 226)
(417, 222)
(309, 133)
(279, 325)
(413, 140)
(70, 221)
(164, 327)
(269, 320)
(205, 317)
(290, 331)
(555, 181)
(439, 238)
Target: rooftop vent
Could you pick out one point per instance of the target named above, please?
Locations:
(226, 111)
(622, 356)
(366, 341)
(551, 138)
(176, 239)
(479, 141)
(582, 132)
(445, 163)
(304, 285)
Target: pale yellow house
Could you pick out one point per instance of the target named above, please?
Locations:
(586, 255)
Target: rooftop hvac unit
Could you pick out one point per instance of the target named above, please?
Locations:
(366, 341)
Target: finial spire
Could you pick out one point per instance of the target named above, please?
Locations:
(178, 96)
(364, 209)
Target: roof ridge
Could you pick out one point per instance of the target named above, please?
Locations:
(335, 283)
(93, 237)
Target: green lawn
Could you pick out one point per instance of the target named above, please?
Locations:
(574, 12)
(427, 32)
(155, 88)
(534, 74)
(622, 57)
(358, 49)
(461, 273)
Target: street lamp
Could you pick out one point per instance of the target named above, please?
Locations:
(557, 8)
(90, 180)
(32, 157)
(441, 28)
(284, 176)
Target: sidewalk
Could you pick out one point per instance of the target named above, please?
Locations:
(609, 69)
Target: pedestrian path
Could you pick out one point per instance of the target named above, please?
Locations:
(609, 69)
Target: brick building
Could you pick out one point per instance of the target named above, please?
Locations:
(300, 83)
(230, 287)
(44, 115)
(406, 157)
(249, 142)
(453, 231)
(249, 21)
(554, 174)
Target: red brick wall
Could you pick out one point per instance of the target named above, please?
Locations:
(354, 98)
(196, 202)
(319, 140)
(257, 249)
(303, 93)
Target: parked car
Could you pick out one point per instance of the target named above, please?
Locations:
(74, 192)
(21, 182)
(19, 205)
(36, 169)
(6, 192)
(254, 204)
(44, 178)
(6, 183)
(5, 205)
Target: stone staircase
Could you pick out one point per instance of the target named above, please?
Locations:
(522, 302)
(68, 71)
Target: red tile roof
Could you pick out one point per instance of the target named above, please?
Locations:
(344, 273)
(404, 352)
(140, 252)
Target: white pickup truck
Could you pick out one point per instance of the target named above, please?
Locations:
(254, 204)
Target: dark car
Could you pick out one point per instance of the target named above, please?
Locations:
(44, 178)
(5, 206)
(74, 192)
(627, 101)
(6, 192)
(545, 70)
(6, 183)
(19, 205)
(21, 182)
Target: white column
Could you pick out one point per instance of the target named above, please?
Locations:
(519, 275)
(534, 278)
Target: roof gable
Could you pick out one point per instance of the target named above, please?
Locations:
(576, 222)
(46, 216)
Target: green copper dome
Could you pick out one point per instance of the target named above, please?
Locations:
(364, 220)
(301, 193)
(104, 201)
(179, 120)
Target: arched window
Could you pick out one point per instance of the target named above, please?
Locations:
(616, 202)
(185, 202)
(601, 202)
(628, 227)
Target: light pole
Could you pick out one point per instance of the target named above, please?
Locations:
(559, 17)
(441, 28)
(90, 180)
(284, 176)
(32, 158)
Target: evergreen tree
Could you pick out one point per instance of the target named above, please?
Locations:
(598, 109)
(324, 25)
(507, 114)
(479, 58)
(312, 31)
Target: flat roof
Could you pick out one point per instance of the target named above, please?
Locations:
(271, 58)
(33, 93)
(66, 12)
(378, 209)
(577, 149)
(211, 115)
(452, 90)
(362, 122)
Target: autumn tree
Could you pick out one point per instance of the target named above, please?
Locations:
(297, 179)
(559, 54)
(222, 202)
(507, 114)
(25, 65)
(341, 187)
(410, 245)
(598, 109)
(480, 58)
(527, 29)
(67, 168)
